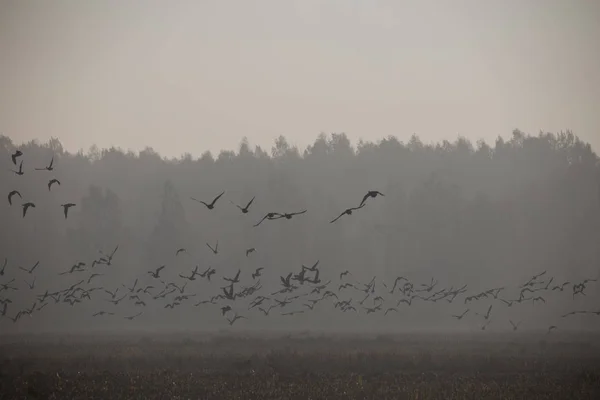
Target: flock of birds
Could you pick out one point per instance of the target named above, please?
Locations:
(300, 292)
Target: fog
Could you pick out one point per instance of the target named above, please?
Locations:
(485, 215)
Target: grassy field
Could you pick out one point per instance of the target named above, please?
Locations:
(307, 366)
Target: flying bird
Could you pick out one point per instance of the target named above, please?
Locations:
(244, 209)
(16, 155)
(11, 194)
(30, 271)
(181, 250)
(20, 170)
(370, 193)
(26, 207)
(51, 182)
(347, 211)
(250, 250)
(215, 249)
(50, 167)
(271, 216)
(515, 326)
(134, 316)
(210, 205)
(66, 208)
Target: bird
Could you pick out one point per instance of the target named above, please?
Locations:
(51, 182)
(257, 273)
(181, 250)
(134, 316)
(155, 274)
(244, 209)
(103, 313)
(344, 274)
(235, 318)
(271, 215)
(215, 250)
(210, 205)
(551, 328)
(250, 250)
(66, 207)
(370, 193)
(459, 317)
(50, 167)
(225, 309)
(26, 207)
(16, 155)
(92, 276)
(32, 284)
(347, 211)
(515, 326)
(11, 194)
(6, 262)
(236, 279)
(290, 215)
(486, 315)
(30, 271)
(20, 170)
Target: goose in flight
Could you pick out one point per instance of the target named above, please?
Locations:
(134, 316)
(515, 326)
(13, 193)
(235, 318)
(210, 205)
(236, 279)
(486, 315)
(256, 273)
(290, 215)
(459, 317)
(347, 211)
(32, 284)
(66, 207)
(370, 193)
(244, 209)
(181, 250)
(26, 206)
(49, 167)
(225, 309)
(250, 250)
(551, 328)
(16, 155)
(269, 216)
(52, 182)
(99, 313)
(20, 170)
(92, 277)
(155, 274)
(215, 250)
(30, 271)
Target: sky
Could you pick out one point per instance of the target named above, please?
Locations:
(190, 75)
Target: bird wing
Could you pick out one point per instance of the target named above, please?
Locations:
(250, 202)
(336, 218)
(217, 198)
(365, 197)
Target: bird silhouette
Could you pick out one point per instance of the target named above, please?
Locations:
(210, 205)
(215, 249)
(26, 207)
(20, 170)
(347, 211)
(16, 155)
(30, 271)
(52, 182)
(49, 167)
(246, 208)
(66, 208)
(250, 250)
(13, 193)
(370, 193)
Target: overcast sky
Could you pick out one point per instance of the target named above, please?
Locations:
(199, 75)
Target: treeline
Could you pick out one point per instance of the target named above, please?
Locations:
(464, 213)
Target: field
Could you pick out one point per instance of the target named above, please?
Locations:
(301, 366)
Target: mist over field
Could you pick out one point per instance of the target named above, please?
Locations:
(488, 216)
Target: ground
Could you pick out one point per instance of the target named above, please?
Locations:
(300, 366)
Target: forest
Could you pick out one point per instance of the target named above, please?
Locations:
(484, 215)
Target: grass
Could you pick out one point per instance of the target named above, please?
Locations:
(306, 367)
